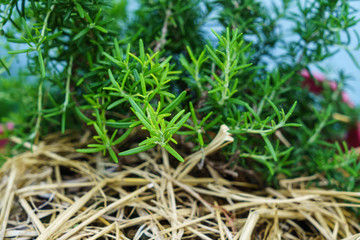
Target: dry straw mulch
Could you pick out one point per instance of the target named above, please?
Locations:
(53, 192)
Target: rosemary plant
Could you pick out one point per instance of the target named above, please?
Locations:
(150, 78)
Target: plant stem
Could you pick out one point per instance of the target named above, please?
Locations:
(41, 84)
(46, 23)
(317, 132)
(197, 80)
(165, 156)
(226, 75)
(260, 131)
(5, 15)
(38, 120)
(67, 93)
(67, 87)
(164, 31)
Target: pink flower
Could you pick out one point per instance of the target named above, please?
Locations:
(9, 126)
(346, 99)
(333, 85)
(314, 85)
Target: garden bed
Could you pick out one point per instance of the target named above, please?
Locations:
(54, 192)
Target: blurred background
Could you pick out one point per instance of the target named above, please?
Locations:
(331, 66)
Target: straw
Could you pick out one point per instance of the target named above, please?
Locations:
(48, 193)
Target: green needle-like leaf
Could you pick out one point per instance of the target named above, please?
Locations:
(270, 147)
(81, 33)
(174, 103)
(173, 152)
(41, 63)
(137, 150)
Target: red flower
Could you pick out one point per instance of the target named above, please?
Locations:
(353, 136)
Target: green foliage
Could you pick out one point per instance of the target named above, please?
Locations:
(17, 101)
(148, 77)
(171, 25)
(252, 19)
